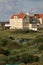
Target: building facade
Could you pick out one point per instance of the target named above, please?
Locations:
(40, 18)
(19, 21)
(24, 21)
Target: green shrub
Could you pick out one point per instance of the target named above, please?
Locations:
(4, 41)
(21, 31)
(40, 47)
(25, 58)
(38, 40)
(6, 52)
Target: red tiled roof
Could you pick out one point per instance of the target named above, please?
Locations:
(21, 15)
(39, 15)
(31, 16)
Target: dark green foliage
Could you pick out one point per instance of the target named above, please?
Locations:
(6, 52)
(22, 46)
(24, 31)
(1, 51)
(17, 45)
(40, 47)
(29, 58)
(4, 41)
(25, 58)
(22, 40)
(39, 39)
(21, 31)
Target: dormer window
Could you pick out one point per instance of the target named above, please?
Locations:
(15, 17)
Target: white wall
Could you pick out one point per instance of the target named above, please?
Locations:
(11, 24)
(40, 19)
(20, 24)
(32, 28)
(16, 23)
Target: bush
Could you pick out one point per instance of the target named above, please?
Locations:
(31, 59)
(21, 31)
(26, 58)
(4, 42)
(17, 45)
(6, 52)
(40, 47)
(38, 40)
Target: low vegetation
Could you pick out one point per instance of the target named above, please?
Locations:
(21, 46)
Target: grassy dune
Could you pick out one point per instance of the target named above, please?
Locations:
(21, 46)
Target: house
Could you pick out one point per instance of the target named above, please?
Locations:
(19, 21)
(33, 22)
(4, 25)
(24, 21)
(7, 25)
(40, 18)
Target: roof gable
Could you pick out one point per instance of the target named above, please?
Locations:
(39, 15)
(21, 15)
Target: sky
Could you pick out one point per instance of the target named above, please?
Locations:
(10, 7)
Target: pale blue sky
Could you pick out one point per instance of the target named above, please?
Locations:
(9, 7)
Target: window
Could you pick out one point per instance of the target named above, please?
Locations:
(15, 17)
(32, 20)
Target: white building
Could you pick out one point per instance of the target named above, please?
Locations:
(19, 21)
(22, 21)
(40, 18)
